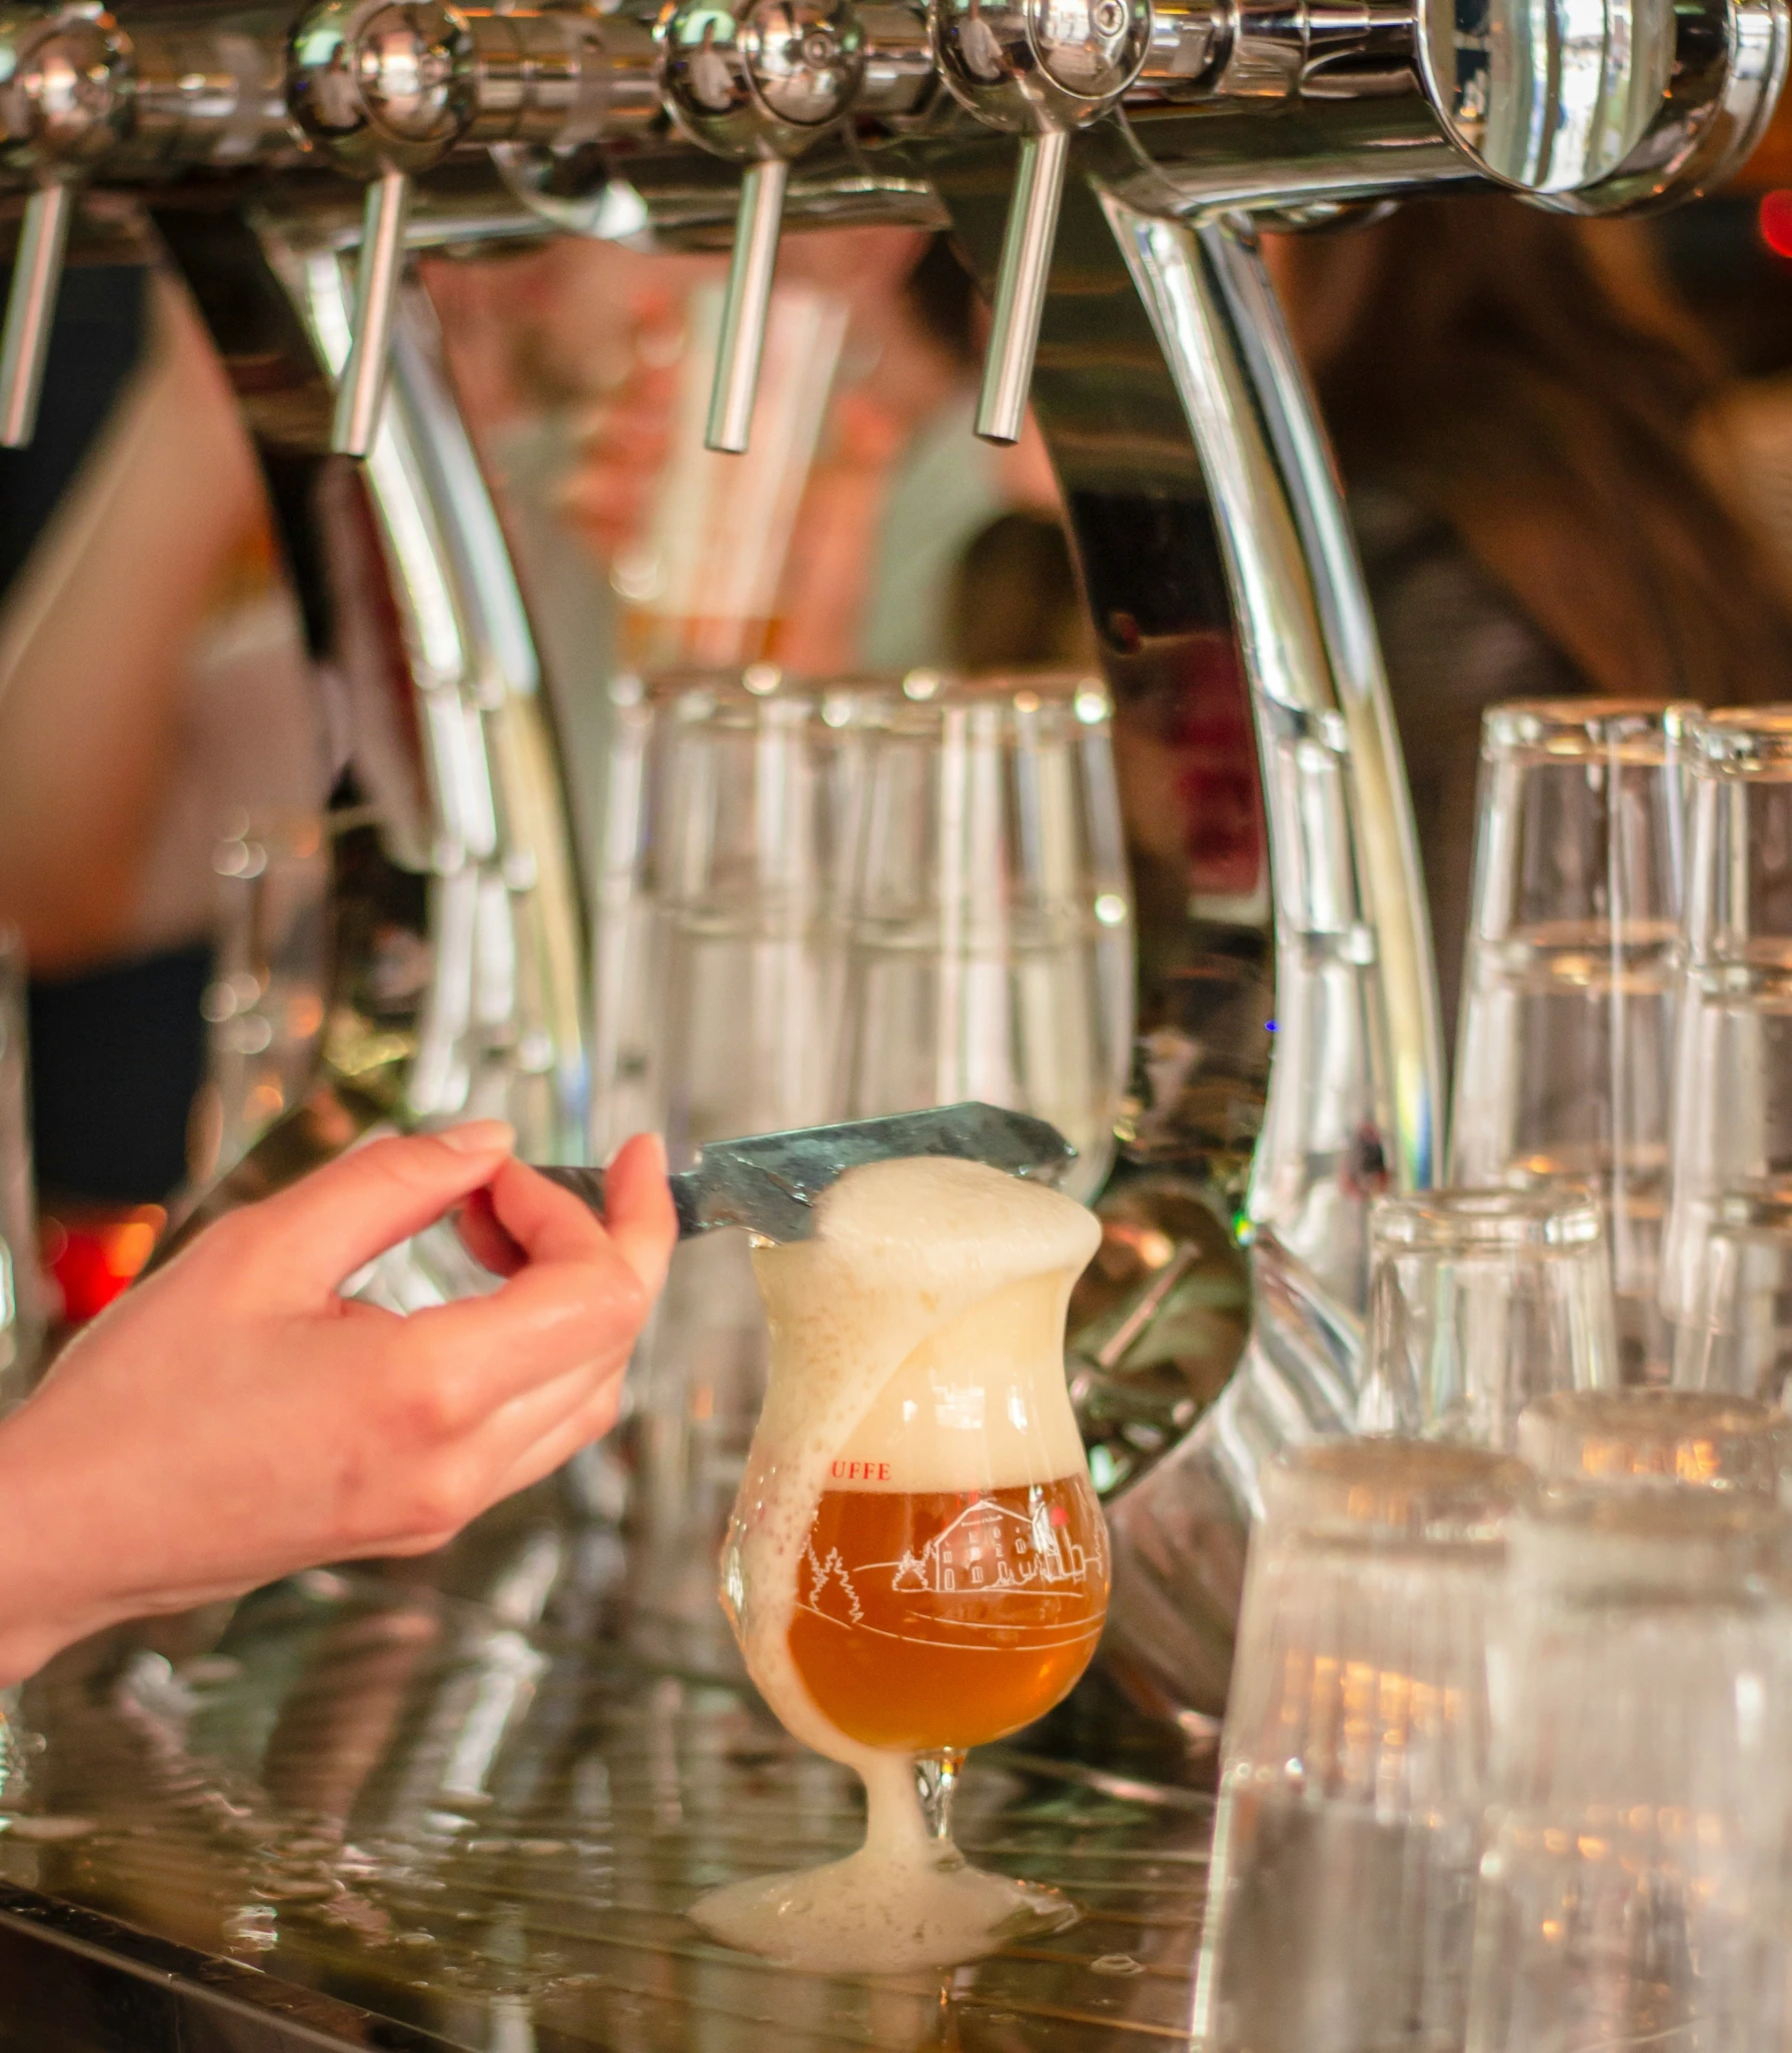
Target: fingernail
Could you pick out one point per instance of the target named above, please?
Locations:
(655, 1148)
(479, 1136)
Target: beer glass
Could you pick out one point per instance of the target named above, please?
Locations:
(1479, 1301)
(1613, 1439)
(1353, 1767)
(1634, 1887)
(1727, 1271)
(916, 1563)
(1571, 975)
(989, 922)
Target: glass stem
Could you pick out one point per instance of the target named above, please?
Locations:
(937, 1779)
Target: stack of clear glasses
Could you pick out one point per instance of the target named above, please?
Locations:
(832, 901)
(727, 844)
(1571, 976)
(988, 941)
(1727, 1277)
(1506, 1759)
(1507, 1764)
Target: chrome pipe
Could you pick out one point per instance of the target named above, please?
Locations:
(363, 386)
(1020, 282)
(31, 309)
(749, 301)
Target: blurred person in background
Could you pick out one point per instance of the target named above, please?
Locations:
(153, 681)
(1514, 399)
(570, 364)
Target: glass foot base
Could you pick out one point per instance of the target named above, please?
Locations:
(869, 1914)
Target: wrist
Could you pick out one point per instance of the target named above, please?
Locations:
(51, 1593)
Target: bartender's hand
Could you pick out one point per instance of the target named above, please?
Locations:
(234, 1419)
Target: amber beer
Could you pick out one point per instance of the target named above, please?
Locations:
(944, 1619)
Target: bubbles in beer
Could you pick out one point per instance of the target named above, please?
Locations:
(916, 1562)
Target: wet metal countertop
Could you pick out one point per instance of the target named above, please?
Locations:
(468, 1804)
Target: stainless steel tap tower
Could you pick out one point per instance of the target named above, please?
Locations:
(1100, 162)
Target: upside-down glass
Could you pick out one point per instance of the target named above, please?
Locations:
(1354, 1771)
(1735, 1331)
(1572, 974)
(728, 825)
(1726, 1272)
(265, 1004)
(1634, 1888)
(990, 929)
(1615, 1439)
(1480, 1302)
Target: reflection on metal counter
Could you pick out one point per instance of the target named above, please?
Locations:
(413, 1816)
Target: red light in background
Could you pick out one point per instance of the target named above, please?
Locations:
(1773, 218)
(93, 1260)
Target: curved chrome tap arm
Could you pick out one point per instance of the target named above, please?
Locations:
(466, 865)
(1313, 664)
(1356, 1092)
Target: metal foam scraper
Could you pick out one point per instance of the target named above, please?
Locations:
(769, 1183)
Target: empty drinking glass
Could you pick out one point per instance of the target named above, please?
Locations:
(1571, 975)
(266, 1002)
(1479, 1301)
(1728, 1266)
(989, 932)
(1621, 1438)
(1735, 1331)
(1633, 1891)
(729, 829)
(1353, 1773)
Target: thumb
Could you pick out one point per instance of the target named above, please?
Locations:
(300, 1244)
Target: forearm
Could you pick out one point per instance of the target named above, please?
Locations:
(94, 636)
(53, 1576)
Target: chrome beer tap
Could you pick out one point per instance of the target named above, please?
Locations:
(1040, 68)
(386, 88)
(762, 85)
(63, 101)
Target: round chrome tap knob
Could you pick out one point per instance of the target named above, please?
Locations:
(66, 94)
(1034, 63)
(389, 85)
(765, 81)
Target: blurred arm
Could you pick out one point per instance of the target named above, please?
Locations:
(94, 640)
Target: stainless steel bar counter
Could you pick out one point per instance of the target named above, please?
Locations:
(468, 1802)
